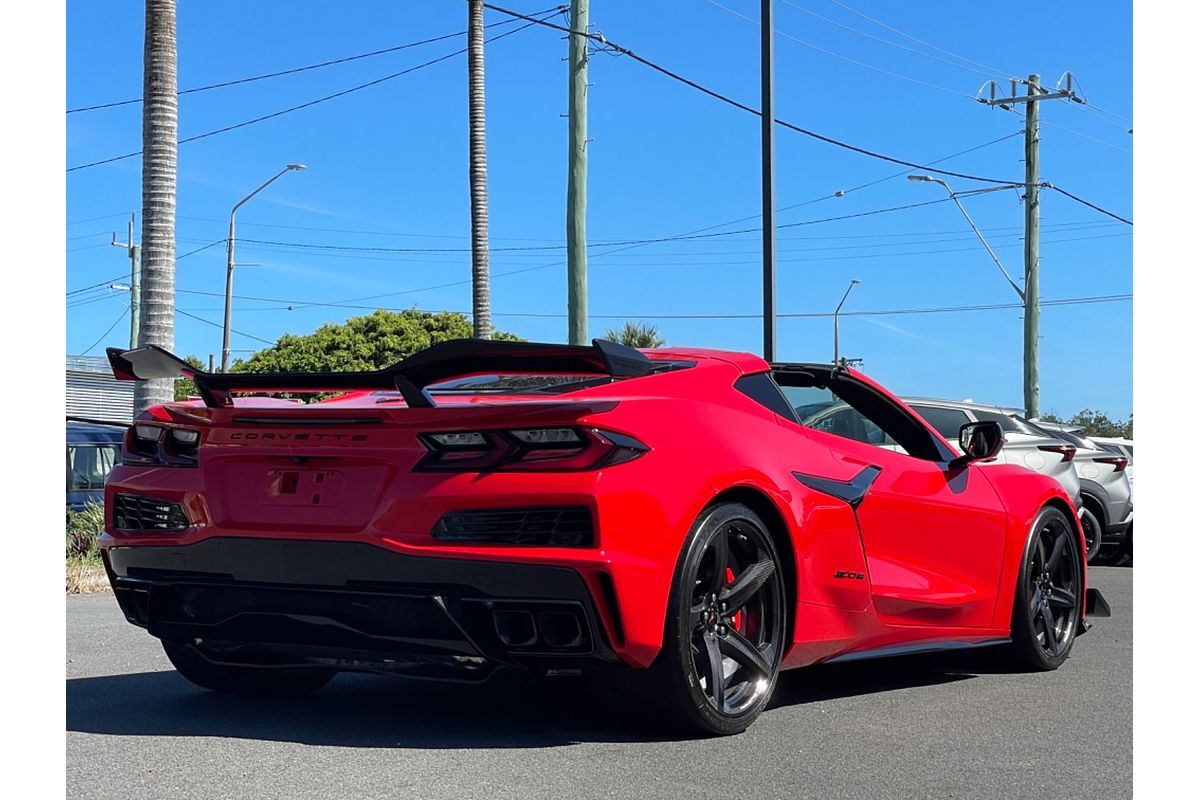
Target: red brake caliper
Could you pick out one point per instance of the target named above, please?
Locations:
(737, 617)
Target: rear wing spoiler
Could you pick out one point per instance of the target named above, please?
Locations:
(451, 359)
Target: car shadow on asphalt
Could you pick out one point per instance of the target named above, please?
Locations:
(378, 711)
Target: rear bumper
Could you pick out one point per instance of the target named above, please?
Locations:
(355, 606)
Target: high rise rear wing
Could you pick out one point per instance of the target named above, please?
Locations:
(442, 361)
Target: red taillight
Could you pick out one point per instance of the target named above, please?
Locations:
(528, 450)
(1119, 463)
(1067, 451)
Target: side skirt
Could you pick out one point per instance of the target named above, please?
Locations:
(912, 649)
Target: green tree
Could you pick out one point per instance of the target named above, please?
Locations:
(186, 387)
(372, 341)
(636, 334)
(1095, 423)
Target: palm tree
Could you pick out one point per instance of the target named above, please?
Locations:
(160, 133)
(636, 335)
(480, 290)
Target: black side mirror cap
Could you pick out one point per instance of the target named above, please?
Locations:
(979, 441)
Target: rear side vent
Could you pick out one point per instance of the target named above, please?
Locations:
(552, 526)
(134, 513)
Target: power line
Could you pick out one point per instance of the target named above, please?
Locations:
(200, 249)
(1106, 212)
(657, 240)
(301, 106)
(839, 56)
(95, 219)
(856, 31)
(106, 333)
(296, 70)
(736, 104)
(218, 325)
(1067, 301)
(991, 70)
(95, 285)
(1085, 136)
(452, 258)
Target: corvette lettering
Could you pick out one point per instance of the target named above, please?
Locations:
(854, 576)
(298, 437)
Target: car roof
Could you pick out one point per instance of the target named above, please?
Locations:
(93, 433)
(934, 401)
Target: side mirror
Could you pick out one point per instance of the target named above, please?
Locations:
(979, 441)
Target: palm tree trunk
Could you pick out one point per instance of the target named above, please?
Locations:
(481, 304)
(160, 133)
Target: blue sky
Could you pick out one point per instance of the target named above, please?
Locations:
(388, 169)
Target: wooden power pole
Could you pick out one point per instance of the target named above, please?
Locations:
(1034, 94)
(1032, 309)
(577, 313)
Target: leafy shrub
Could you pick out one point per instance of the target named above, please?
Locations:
(83, 531)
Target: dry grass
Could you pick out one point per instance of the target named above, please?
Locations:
(86, 577)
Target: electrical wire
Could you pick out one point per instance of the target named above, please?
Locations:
(1068, 301)
(95, 285)
(301, 106)
(625, 51)
(1077, 199)
(306, 68)
(909, 36)
(222, 327)
(839, 56)
(106, 333)
(857, 32)
(1085, 136)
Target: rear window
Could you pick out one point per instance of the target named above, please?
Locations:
(946, 421)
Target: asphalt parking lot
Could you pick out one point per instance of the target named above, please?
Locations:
(938, 726)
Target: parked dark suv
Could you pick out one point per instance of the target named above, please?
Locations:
(93, 449)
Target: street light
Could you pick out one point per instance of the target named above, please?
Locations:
(837, 311)
(954, 197)
(229, 263)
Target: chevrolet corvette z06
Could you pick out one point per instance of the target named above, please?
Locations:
(483, 506)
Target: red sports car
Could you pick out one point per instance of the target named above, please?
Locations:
(542, 507)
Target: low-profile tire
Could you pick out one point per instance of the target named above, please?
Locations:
(1093, 534)
(724, 634)
(262, 681)
(1049, 593)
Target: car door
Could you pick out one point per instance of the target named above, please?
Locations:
(933, 535)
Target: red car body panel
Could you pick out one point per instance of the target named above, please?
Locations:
(923, 559)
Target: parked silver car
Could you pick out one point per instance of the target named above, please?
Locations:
(1107, 487)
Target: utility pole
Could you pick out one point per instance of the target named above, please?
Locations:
(767, 85)
(1034, 94)
(135, 282)
(1032, 211)
(577, 314)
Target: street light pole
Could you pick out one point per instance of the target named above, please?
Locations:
(967, 217)
(229, 262)
(836, 311)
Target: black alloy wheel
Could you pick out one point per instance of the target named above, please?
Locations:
(724, 636)
(1049, 592)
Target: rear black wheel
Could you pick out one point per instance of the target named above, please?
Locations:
(1049, 593)
(1093, 534)
(250, 680)
(724, 635)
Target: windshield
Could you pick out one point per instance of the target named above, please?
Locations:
(1012, 423)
